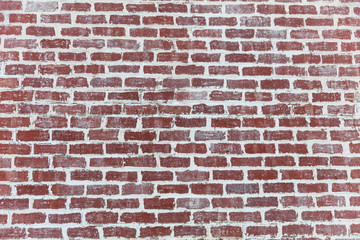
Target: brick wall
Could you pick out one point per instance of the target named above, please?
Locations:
(179, 119)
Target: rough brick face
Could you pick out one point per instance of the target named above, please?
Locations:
(197, 119)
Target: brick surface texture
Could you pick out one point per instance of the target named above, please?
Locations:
(180, 119)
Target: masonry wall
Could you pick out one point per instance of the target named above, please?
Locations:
(179, 119)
